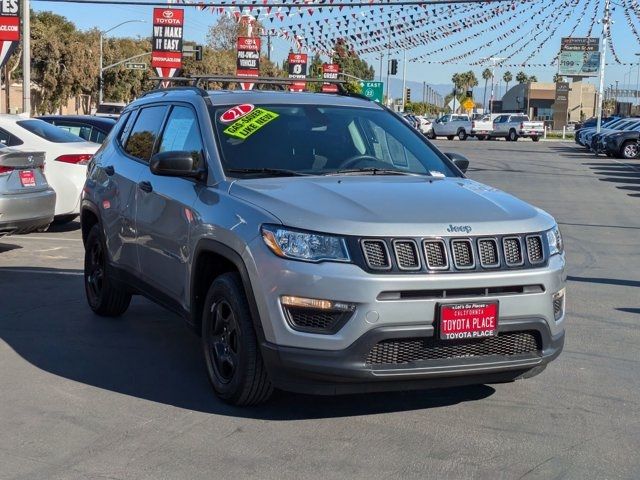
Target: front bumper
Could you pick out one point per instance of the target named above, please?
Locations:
(346, 371)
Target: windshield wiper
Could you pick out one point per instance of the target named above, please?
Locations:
(272, 172)
(377, 171)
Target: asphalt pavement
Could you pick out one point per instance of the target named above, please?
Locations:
(82, 397)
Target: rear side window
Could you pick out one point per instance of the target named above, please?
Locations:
(49, 132)
(145, 131)
(82, 131)
(182, 133)
(8, 140)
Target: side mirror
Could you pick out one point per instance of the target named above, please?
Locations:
(459, 161)
(175, 164)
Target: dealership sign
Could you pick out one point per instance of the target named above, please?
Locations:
(166, 55)
(330, 71)
(9, 28)
(248, 62)
(579, 57)
(298, 69)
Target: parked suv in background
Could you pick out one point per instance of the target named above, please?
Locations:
(318, 244)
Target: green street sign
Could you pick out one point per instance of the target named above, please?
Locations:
(135, 66)
(373, 90)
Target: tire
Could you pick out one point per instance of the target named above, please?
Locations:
(481, 137)
(431, 135)
(63, 219)
(462, 135)
(513, 136)
(535, 139)
(231, 351)
(450, 137)
(104, 296)
(629, 150)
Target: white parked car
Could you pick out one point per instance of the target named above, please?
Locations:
(451, 126)
(66, 158)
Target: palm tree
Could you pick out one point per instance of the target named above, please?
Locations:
(522, 77)
(507, 77)
(532, 79)
(486, 74)
(557, 78)
(458, 84)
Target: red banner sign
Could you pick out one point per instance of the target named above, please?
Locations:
(9, 28)
(298, 69)
(166, 55)
(330, 71)
(248, 61)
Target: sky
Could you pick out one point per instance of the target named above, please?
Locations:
(538, 23)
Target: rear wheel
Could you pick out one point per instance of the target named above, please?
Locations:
(535, 139)
(513, 136)
(462, 135)
(481, 137)
(232, 354)
(629, 150)
(104, 296)
(431, 135)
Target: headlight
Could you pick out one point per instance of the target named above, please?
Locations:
(554, 239)
(306, 246)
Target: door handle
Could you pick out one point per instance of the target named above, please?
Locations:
(145, 186)
(109, 170)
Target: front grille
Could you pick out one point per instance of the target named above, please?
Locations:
(435, 252)
(315, 320)
(534, 249)
(376, 254)
(409, 350)
(462, 253)
(488, 251)
(406, 254)
(512, 251)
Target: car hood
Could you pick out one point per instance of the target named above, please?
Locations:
(391, 206)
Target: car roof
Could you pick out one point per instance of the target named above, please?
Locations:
(106, 122)
(258, 97)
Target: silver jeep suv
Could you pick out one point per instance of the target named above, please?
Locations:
(318, 244)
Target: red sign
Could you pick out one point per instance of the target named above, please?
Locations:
(9, 28)
(236, 112)
(330, 71)
(248, 60)
(468, 320)
(27, 178)
(298, 69)
(166, 53)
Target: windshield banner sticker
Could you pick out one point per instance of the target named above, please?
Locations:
(250, 123)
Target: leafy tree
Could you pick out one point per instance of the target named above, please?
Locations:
(350, 62)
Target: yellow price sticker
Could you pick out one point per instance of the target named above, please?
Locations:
(251, 123)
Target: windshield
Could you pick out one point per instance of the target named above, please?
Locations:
(49, 132)
(321, 140)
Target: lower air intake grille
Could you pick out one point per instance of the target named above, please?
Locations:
(406, 255)
(315, 320)
(488, 249)
(436, 254)
(409, 350)
(376, 254)
(534, 249)
(512, 251)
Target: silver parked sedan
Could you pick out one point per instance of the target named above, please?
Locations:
(27, 202)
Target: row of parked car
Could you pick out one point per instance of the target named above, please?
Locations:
(618, 137)
(43, 165)
(510, 126)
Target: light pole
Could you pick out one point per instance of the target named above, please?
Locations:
(638, 80)
(26, 59)
(102, 33)
(603, 52)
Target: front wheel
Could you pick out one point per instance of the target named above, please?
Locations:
(481, 137)
(462, 135)
(232, 354)
(535, 139)
(450, 137)
(431, 135)
(104, 296)
(630, 150)
(513, 136)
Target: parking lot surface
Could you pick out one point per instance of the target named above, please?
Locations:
(89, 397)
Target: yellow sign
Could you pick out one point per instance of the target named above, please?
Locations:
(468, 104)
(251, 123)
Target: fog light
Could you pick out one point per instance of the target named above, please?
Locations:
(558, 304)
(315, 315)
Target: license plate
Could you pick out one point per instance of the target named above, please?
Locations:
(27, 178)
(468, 320)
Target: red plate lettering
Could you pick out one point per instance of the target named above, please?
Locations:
(468, 320)
(236, 112)
(27, 178)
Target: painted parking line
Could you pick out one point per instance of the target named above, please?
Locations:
(41, 271)
(57, 239)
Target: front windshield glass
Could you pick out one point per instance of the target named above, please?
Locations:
(321, 140)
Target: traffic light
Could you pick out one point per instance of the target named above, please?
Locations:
(100, 82)
(408, 96)
(469, 93)
(198, 53)
(394, 66)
